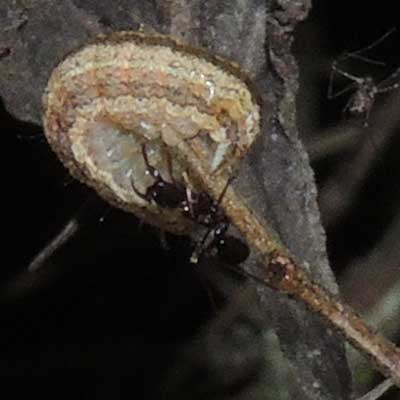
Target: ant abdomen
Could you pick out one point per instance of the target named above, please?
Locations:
(232, 250)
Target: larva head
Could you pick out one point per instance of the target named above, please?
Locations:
(106, 100)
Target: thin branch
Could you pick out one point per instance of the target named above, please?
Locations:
(384, 318)
(41, 272)
(66, 233)
(378, 391)
(380, 304)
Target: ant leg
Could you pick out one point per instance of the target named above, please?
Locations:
(331, 95)
(189, 201)
(188, 206)
(389, 88)
(152, 172)
(357, 82)
(348, 104)
(169, 165)
(218, 237)
(391, 82)
(366, 119)
(346, 74)
(199, 249)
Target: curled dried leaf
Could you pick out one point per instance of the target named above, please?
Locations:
(126, 90)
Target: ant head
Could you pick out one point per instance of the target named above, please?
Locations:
(166, 194)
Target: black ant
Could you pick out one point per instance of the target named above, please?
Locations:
(199, 207)
(365, 88)
(163, 193)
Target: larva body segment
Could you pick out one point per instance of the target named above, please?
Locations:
(106, 100)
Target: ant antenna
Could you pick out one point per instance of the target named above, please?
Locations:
(356, 54)
(394, 77)
(150, 169)
(228, 182)
(189, 196)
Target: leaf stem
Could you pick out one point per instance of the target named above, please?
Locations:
(281, 272)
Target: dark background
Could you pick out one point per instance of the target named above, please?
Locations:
(91, 305)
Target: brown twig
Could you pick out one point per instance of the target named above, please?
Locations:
(41, 271)
(68, 231)
(281, 272)
(378, 391)
(380, 302)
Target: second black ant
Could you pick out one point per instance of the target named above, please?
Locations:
(199, 207)
(364, 89)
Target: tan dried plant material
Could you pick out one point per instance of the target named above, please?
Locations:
(121, 92)
(106, 100)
